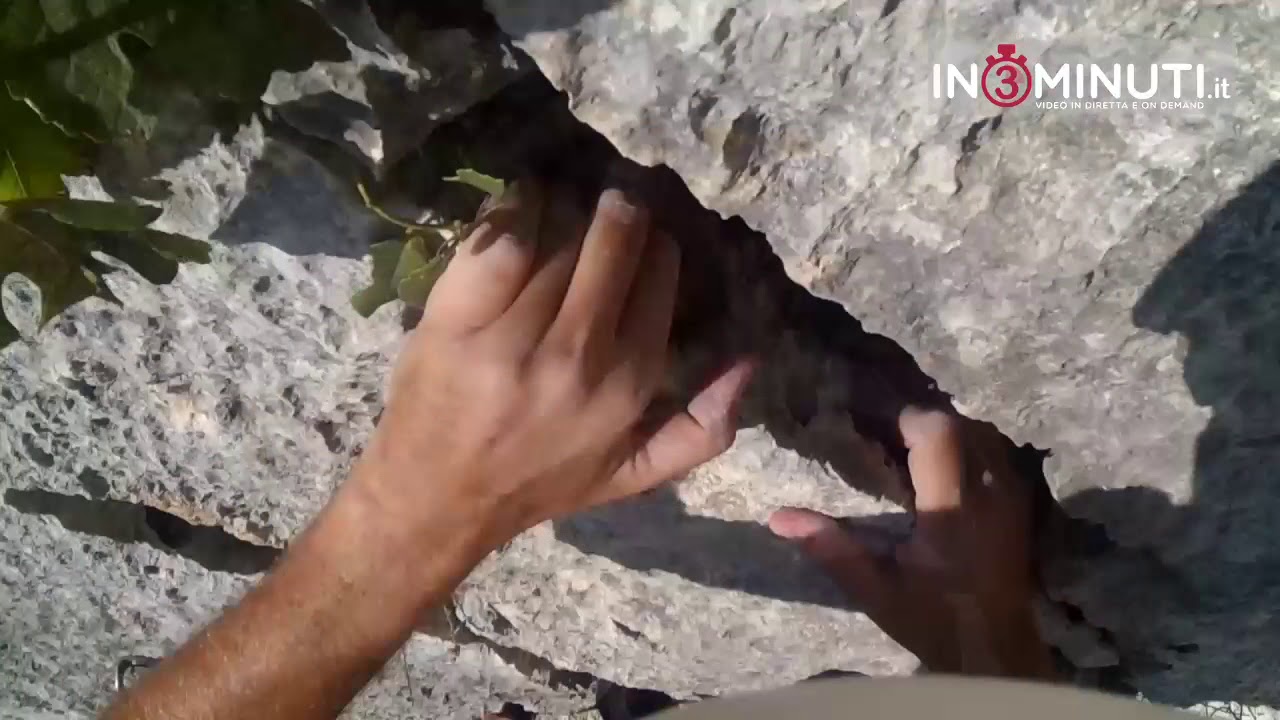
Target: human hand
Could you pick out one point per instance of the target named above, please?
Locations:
(520, 395)
(958, 592)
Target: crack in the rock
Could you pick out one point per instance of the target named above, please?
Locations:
(125, 522)
(613, 701)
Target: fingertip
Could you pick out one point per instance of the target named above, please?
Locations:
(619, 207)
(919, 426)
(792, 523)
(717, 404)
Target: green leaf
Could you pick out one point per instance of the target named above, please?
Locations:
(486, 183)
(415, 255)
(33, 155)
(382, 289)
(65, 61)
(91, 214)
(424, 258)
(52, 242)
(414, 289)
(47, 258)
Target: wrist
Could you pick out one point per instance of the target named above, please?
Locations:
(406, 513)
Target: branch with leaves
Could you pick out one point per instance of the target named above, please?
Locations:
(407, 268)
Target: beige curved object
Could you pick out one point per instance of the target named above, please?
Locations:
(923, 698)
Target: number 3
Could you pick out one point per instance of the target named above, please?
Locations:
(1009, 79)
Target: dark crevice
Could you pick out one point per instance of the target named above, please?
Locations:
(890, 6)
(975, 137)
(124, 522)
(978, 134)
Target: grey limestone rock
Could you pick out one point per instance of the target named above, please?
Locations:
(77, 604)
(393, 92)
(1101, 283)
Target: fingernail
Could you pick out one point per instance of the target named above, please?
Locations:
(619, 206)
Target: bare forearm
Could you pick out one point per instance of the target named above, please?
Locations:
(303, 643)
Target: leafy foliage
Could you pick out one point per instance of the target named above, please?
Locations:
(78, 73)
(52, 241)
(407, 269)
(33, 155)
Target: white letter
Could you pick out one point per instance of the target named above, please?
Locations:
(1079, 80)
(1200, 81)
(1111, 84)
(970, 86)
(1177, 69)
(1155, 83)
(1063, 75)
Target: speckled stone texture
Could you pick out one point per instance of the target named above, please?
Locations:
(76, 604)
(1099, 283)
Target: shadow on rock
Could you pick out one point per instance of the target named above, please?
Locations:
(1194, 608)
(655, 532)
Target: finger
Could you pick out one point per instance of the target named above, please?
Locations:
(703, 431)
(603, 278)
(492, 265)
(935, 457)
(523, 326)
(854, 564)
(645, 330)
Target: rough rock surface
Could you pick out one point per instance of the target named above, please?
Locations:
(101, 600)
(1029, 261)
(1098, 283)
(384, 102)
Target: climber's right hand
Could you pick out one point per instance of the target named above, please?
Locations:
(519, 396)
(958, 591)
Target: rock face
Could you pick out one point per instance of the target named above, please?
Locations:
(386, 100)
(1098, 283)
(1101, 283)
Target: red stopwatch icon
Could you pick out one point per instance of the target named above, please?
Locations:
(1007, 80)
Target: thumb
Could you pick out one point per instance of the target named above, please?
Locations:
(704, 430)
(858, 561)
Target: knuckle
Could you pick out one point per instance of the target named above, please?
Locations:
(560, 373)
(565, 350)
